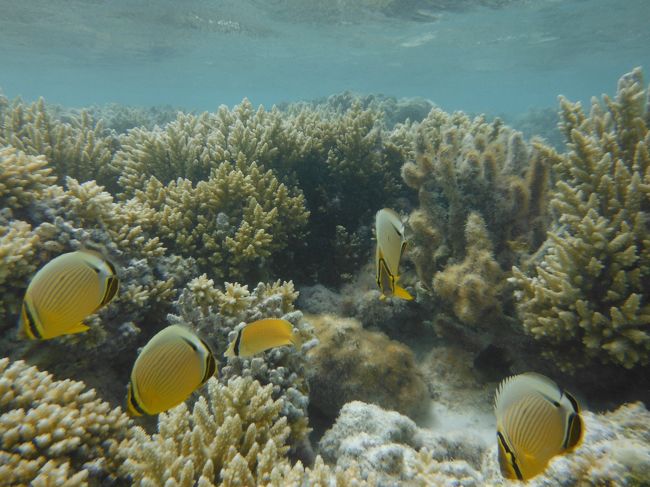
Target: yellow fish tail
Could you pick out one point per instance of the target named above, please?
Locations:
(296, 340)
(402, 293)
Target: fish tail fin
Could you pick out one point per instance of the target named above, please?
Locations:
(296, 339)
(402, 293)
(78, 328)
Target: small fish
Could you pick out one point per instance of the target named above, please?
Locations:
(391, 243)
(172, 365)
(536, 420)
(262, 335)
(65, 291)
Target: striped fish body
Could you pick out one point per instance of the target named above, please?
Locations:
(389, 231)
(262, 335)
(536, 421)
(64, 292)
(391, 243)
(171, 366)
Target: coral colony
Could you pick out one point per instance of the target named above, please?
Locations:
(525, 256)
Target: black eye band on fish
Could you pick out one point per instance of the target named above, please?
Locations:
(210, 369)
(511, 455)
(238, 342)
(111, 290)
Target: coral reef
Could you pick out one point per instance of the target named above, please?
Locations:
(234, 435)
(55, 432)
(233, 223)
(217, 315)
(80, 148)
(584, 295)
(482, 193)
(390, 448)
(207, 179)
(351, 363)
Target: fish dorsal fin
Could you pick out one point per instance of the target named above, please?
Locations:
(513, 388)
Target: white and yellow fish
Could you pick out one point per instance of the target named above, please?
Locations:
(391, 243)
(262, 335)
(65, 291)
(172, 365)
(536, 420)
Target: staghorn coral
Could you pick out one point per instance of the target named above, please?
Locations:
(53, 432)
(585, 294)
(482, 193)
(79, 148)
(349, 172)
(233, 223)
(234, 435)
(351, 363)
(234, 432)
(23, 178)
(191, 146)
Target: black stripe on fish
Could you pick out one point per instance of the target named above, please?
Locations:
(237, 342)
(134, 402)
(31, 322)
(111, 290)
(513, 460)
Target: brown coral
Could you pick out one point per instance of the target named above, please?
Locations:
(351, 363)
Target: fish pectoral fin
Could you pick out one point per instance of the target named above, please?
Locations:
(402, 293)
(78, 328)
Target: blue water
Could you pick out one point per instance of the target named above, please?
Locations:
(198, 54)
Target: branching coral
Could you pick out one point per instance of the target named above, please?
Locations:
(474, 177)
(587, 295)
(232, 223)
(53, 432)
(216, 314)
(233, 436)
(473, 286)
(79, 148)
(23, 178)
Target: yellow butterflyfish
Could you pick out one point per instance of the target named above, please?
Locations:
(262, 335)
(172, 365)
(536, 420)
(391, 243)
(65, 291)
